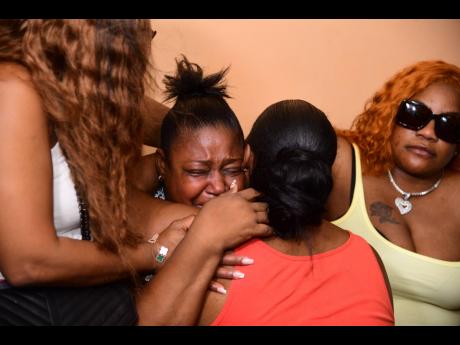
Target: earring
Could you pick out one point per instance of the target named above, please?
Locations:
(160, 192)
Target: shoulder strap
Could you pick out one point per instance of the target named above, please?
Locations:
(353, 173)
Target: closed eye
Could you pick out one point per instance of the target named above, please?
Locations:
(233, 171)
(196, 172)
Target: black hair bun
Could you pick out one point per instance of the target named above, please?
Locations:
(300, 184)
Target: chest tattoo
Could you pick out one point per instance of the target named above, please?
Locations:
(383, 211)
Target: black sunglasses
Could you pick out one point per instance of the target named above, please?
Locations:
(415, 115)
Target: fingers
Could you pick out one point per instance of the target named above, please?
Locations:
(233, 260)
(262, 217)
(183, 223)
(217, 287)
(233, 187)
(263, 230)
(228, 273)
(259, 206)
(249, 194)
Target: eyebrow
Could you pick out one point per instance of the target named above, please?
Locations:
(225, 162)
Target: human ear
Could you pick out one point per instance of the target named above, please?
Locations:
(248, 161)
(160, 163)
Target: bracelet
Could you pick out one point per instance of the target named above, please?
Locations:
(154, 238)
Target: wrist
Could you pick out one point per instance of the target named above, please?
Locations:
(206, 244)
(158, 253)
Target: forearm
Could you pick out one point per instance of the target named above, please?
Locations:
(149, 215)
(72, 262)
(55, 260)
(153, 113)
(176, 294)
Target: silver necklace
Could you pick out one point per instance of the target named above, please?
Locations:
(403, 204)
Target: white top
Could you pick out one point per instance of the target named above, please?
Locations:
(65, 203)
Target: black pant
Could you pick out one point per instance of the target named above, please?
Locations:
(112, 305)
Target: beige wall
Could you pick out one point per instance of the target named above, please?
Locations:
(335, 64)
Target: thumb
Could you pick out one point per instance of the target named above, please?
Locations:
(233, 187)
(183, 223)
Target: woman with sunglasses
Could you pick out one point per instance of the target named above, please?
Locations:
(396, 186)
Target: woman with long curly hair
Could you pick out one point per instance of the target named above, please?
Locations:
(71, 99)
(404, 190)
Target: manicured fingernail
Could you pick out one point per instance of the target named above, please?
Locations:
(247, 261)
(222, 290)
(238, 275)
(233, 185)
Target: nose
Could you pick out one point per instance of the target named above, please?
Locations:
(428, 132)
(216, 185)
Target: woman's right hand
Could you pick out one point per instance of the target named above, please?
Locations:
(231, 219)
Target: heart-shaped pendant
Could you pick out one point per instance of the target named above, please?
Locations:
(404, 206)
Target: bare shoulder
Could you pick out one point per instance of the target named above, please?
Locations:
(153, 113)
(343, 161)
(454, 176)
(143, 174)
(451, 185)
(23, 123)
(14, 75)
(339, 199)
(17, 92)
(344, 149)
(154, 108)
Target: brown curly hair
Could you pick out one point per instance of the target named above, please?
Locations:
(11, 33)
(371, 130)
(90, 74)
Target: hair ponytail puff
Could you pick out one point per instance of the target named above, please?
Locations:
(189, 82)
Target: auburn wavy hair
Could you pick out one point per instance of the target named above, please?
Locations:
(11, 33)
(371, 130)
(90, 74)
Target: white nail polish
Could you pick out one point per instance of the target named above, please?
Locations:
(247, 261)
(238, 275)
(222, 290)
